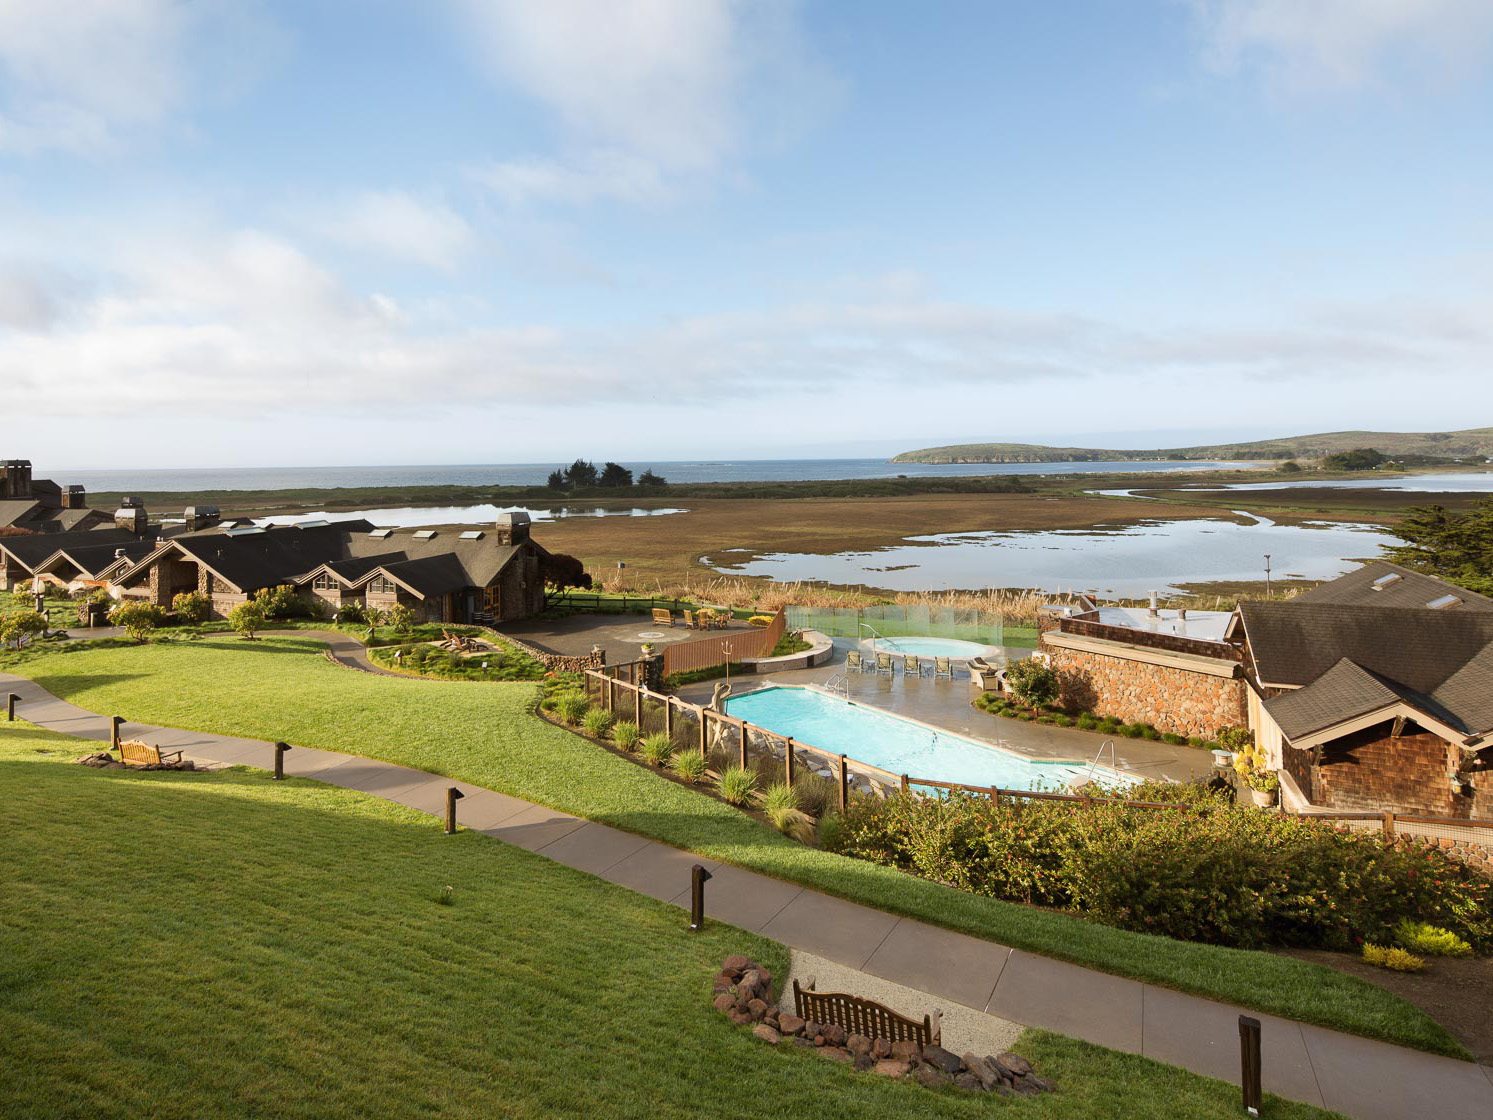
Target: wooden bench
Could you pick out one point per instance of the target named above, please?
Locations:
(663, 617)
(132, 752)
(864, 1016)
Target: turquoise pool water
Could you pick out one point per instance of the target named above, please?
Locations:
(956, 648)
(902, 746)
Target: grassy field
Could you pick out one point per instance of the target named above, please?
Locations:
(283, 954)
(282, 689)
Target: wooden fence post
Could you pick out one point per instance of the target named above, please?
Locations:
(844, 785)
(704, 733)
(904, 785)
(669, 717)
(1389, 826)
(637, 704)
(788, 760)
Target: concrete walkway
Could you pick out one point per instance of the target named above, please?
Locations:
(1359, 1077)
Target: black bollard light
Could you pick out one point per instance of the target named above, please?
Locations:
(10, 707)
(453, 795)
(1249, 1059)
(114, 724)
(280, 749)
(698, 877)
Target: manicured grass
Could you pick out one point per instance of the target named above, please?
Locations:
(189, 945)
(280, 688)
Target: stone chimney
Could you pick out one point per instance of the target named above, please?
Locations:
(201, 517)
(17, 479)
(512, 528)
(131, 516)
(74, 497)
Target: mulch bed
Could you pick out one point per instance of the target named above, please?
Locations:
(1455, 991)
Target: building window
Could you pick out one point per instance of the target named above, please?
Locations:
(381, 586)
(323, 583)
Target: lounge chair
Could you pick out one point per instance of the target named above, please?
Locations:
(912, 666)
(854, 662)
(884, 664)
(943, 667)
(986, 675)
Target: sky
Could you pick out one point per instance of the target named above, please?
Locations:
(316, 232)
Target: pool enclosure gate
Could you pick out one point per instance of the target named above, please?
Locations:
(985, 627)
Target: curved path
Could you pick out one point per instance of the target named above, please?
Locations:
(1359, 1077)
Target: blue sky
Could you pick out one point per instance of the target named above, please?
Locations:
(494, 230)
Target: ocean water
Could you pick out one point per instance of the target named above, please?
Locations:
(534, 474)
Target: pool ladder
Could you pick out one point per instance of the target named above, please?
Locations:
(1114, 763)
(840, 683)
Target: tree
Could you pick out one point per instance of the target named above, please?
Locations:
(1359, 459)
(20, 625)
(1290, 466)
(648, 478)
(282, 602)
(1455, 546)
(246, 618)
(556, 480)
(560, 571)
(138, 619)
(1034, 682)
(192, 607)
(580, 473)
(615, 474)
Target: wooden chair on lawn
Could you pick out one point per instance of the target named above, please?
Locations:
(132, 752)
(663, 617)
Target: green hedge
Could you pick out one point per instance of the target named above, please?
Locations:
(1217, 872)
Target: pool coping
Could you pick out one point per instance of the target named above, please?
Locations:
(1095, 769)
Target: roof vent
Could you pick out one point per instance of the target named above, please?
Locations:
(1384, 581)
(314, 524)
(227, 524)
(380, 534)
(472, 535)
(119, 554)
(246, 531)
(1442, 603)
(425, 535)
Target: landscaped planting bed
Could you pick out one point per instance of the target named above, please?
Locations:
(282, 688)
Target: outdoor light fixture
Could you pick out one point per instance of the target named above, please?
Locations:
(1267, 575)
(1249, 1060)
(114, 722)
(453, 795)
(280, 749)
(10, 707)
(698, 877)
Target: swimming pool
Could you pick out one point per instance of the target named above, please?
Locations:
(901, 746)
(955, 648)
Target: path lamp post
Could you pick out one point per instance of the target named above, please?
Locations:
(1267, 575)
(114, 722)
(280, 749)
(10, 707)
(453, 795)
(698, 877)
(1249, 1060)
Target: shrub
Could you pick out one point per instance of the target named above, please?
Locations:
(598, 722)
(657, 748)
(572, 707)
(1087, 722)
(1196, 741)
(626, 735)
(282, 602)
(137, 618)
(401, 618)
(1174, 740)
(760, 620)
(351, 612)
(1225, 874)
(1397, 960)
(1149, 732)
(736, 784)
(246, 618)
(20, 625)
(1429, 940)
(1033, 681)
(689, 766)
(792, 822)
(192, 607)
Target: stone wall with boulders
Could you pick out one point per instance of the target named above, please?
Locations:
(743, 992)
(557, 662)
(1168, 698)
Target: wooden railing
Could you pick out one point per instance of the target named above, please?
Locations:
(706, 653)
(995, 793)
(864, 1016)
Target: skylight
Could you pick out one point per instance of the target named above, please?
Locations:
(380, 534)
(1384, 581)
(246, 531)
(312, 524)
(425, 535)
(472, 535)
(1444, 602)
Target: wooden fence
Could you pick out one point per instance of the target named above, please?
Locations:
(706, 653)
(995, 793)
(864, 1016)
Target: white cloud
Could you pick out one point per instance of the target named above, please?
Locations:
(1339, 45)
(649, 93)
(402, 226)
(78, 74)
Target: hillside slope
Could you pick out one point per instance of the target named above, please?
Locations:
(1470, 443)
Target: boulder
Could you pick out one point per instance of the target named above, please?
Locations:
(864, 1061)
(930, 1076)
(907, 1050)
(968, 1082)
(835, 1035)
(890, 1067)
(751, 982)
(1014, 1064)
(723, 982)
(1044, 1084)
(767, 1034)
(881, 1048)
(736, 964)
(988, 1075)
(938, 1056)
(836, 1054)
(790, 1024)
(738, 1016)
(756, 1008)
(858, 1044)
(804, 1042)
(724, 1002)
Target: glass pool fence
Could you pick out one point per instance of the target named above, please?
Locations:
(986, 627)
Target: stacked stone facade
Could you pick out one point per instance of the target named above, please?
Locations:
(1172, 699)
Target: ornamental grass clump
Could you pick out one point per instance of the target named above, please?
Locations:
(780, 803)
(688, 766)
(597, 722)
(573, 707)
(736, 784)
(657, 748)
(1211, 872)
(1392, 958)
(627, 735)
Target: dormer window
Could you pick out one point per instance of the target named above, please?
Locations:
(379, 585)
(323, 582)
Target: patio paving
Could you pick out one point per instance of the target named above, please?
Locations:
(621, 635)
(1359, 1077)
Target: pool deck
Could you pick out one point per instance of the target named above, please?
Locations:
(949, 705)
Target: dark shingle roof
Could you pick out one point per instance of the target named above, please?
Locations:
(1344, 692)
(1371, 586)
(250, 561)
(17, 511)
(31, 551)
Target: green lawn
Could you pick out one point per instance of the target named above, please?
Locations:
(189, 945)
(281, 688)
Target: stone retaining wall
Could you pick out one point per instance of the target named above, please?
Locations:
(1167, 697)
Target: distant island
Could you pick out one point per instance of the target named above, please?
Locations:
(1473, 443)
